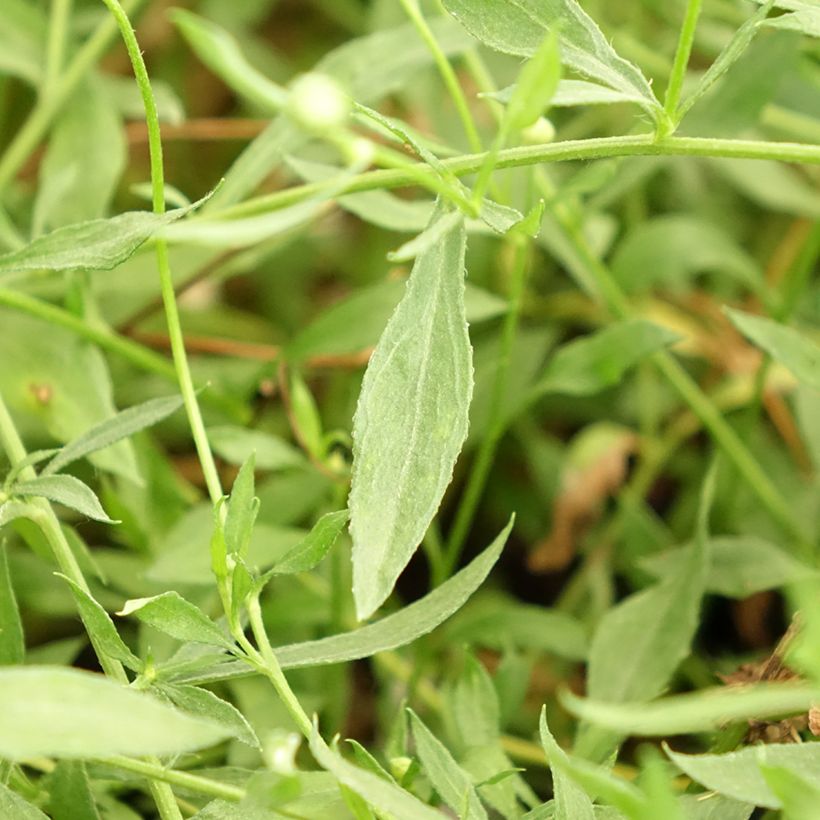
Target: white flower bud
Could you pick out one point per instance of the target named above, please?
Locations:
(318, 102)
(542, 130)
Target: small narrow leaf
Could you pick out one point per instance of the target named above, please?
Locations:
(100, 244)
(99, 625)
(65, 490)
(451, 782)
(595, 362)
(519, 27)
(411, 420)
(173, 615)
(205, 704)
(789, 347)
(124, 424)
(571, 802)
(12, 641)
(243, 507)
(57, 712)
(315, 546)
(379, 793)
(422, 243)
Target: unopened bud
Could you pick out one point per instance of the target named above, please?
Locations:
(542, 130)
(318, 102)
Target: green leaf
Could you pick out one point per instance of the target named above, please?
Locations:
(13, 806)
(23, 28)
(56, 712)
(315, 546)
(786, 345)
(738, 774)
(205, 704)
(805, 20)
(572, 93)
(222, 54)
(84, 160)
(118, 427)
(429, 237)
(99, 625)
(704, 710)
(399, 629)
(100, 244)
(451, 782)
(243, 507)
(536, 85)
(70, 796)
(411, 421)
(173, 615)
(798, 794)
(519, 27)
(571, 802)
(12, 640)
(730, 54)
(65, 490)
(235, 445)
(740, 565)
(593, 363)
(382, 795)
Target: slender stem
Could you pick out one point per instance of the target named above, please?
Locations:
(174, 777)
(480, 469)
(55, 48)
(684, 50)
(41, 116)
(183, 370)
(519, 156)
(271, 669)
(446, 70)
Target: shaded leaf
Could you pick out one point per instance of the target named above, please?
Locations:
(537, 83)
(56, 712)
(12, 640)
(411, 421)
(235, 445)
(70, 796)
(12, 805)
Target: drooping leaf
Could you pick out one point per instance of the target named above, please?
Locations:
(704, 710)
(12, 640)
(519, 27)
(315, 546)
(205, 704)
(571, 802)
(451, 782)
(57, 712)
(118, 427)
(172, 614)
(785, 344)
(381, 794)
(595, 362)
(739, 566)
(101, 627)
(65, 490)
(235, 445)
(398, 629)
(738, 774)
(411, 421)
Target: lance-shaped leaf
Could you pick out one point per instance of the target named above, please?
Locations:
(519, 27)
(112, 430)
(309, 552)
(65, 490)
(411, 420)
(12, 640)
(100, 244)
(56, 712)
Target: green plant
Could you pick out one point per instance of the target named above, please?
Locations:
(601, 367)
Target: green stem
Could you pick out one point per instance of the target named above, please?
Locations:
(684, 50)
(175, 335)
(446, 70)
(519, 156)
(174, 777)
(47, 107)
(480, 469)
(55, 48)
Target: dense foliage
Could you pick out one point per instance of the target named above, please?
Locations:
(434, 430)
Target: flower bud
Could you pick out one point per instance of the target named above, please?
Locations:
(318, 102)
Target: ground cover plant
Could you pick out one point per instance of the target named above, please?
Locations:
(409, 409)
